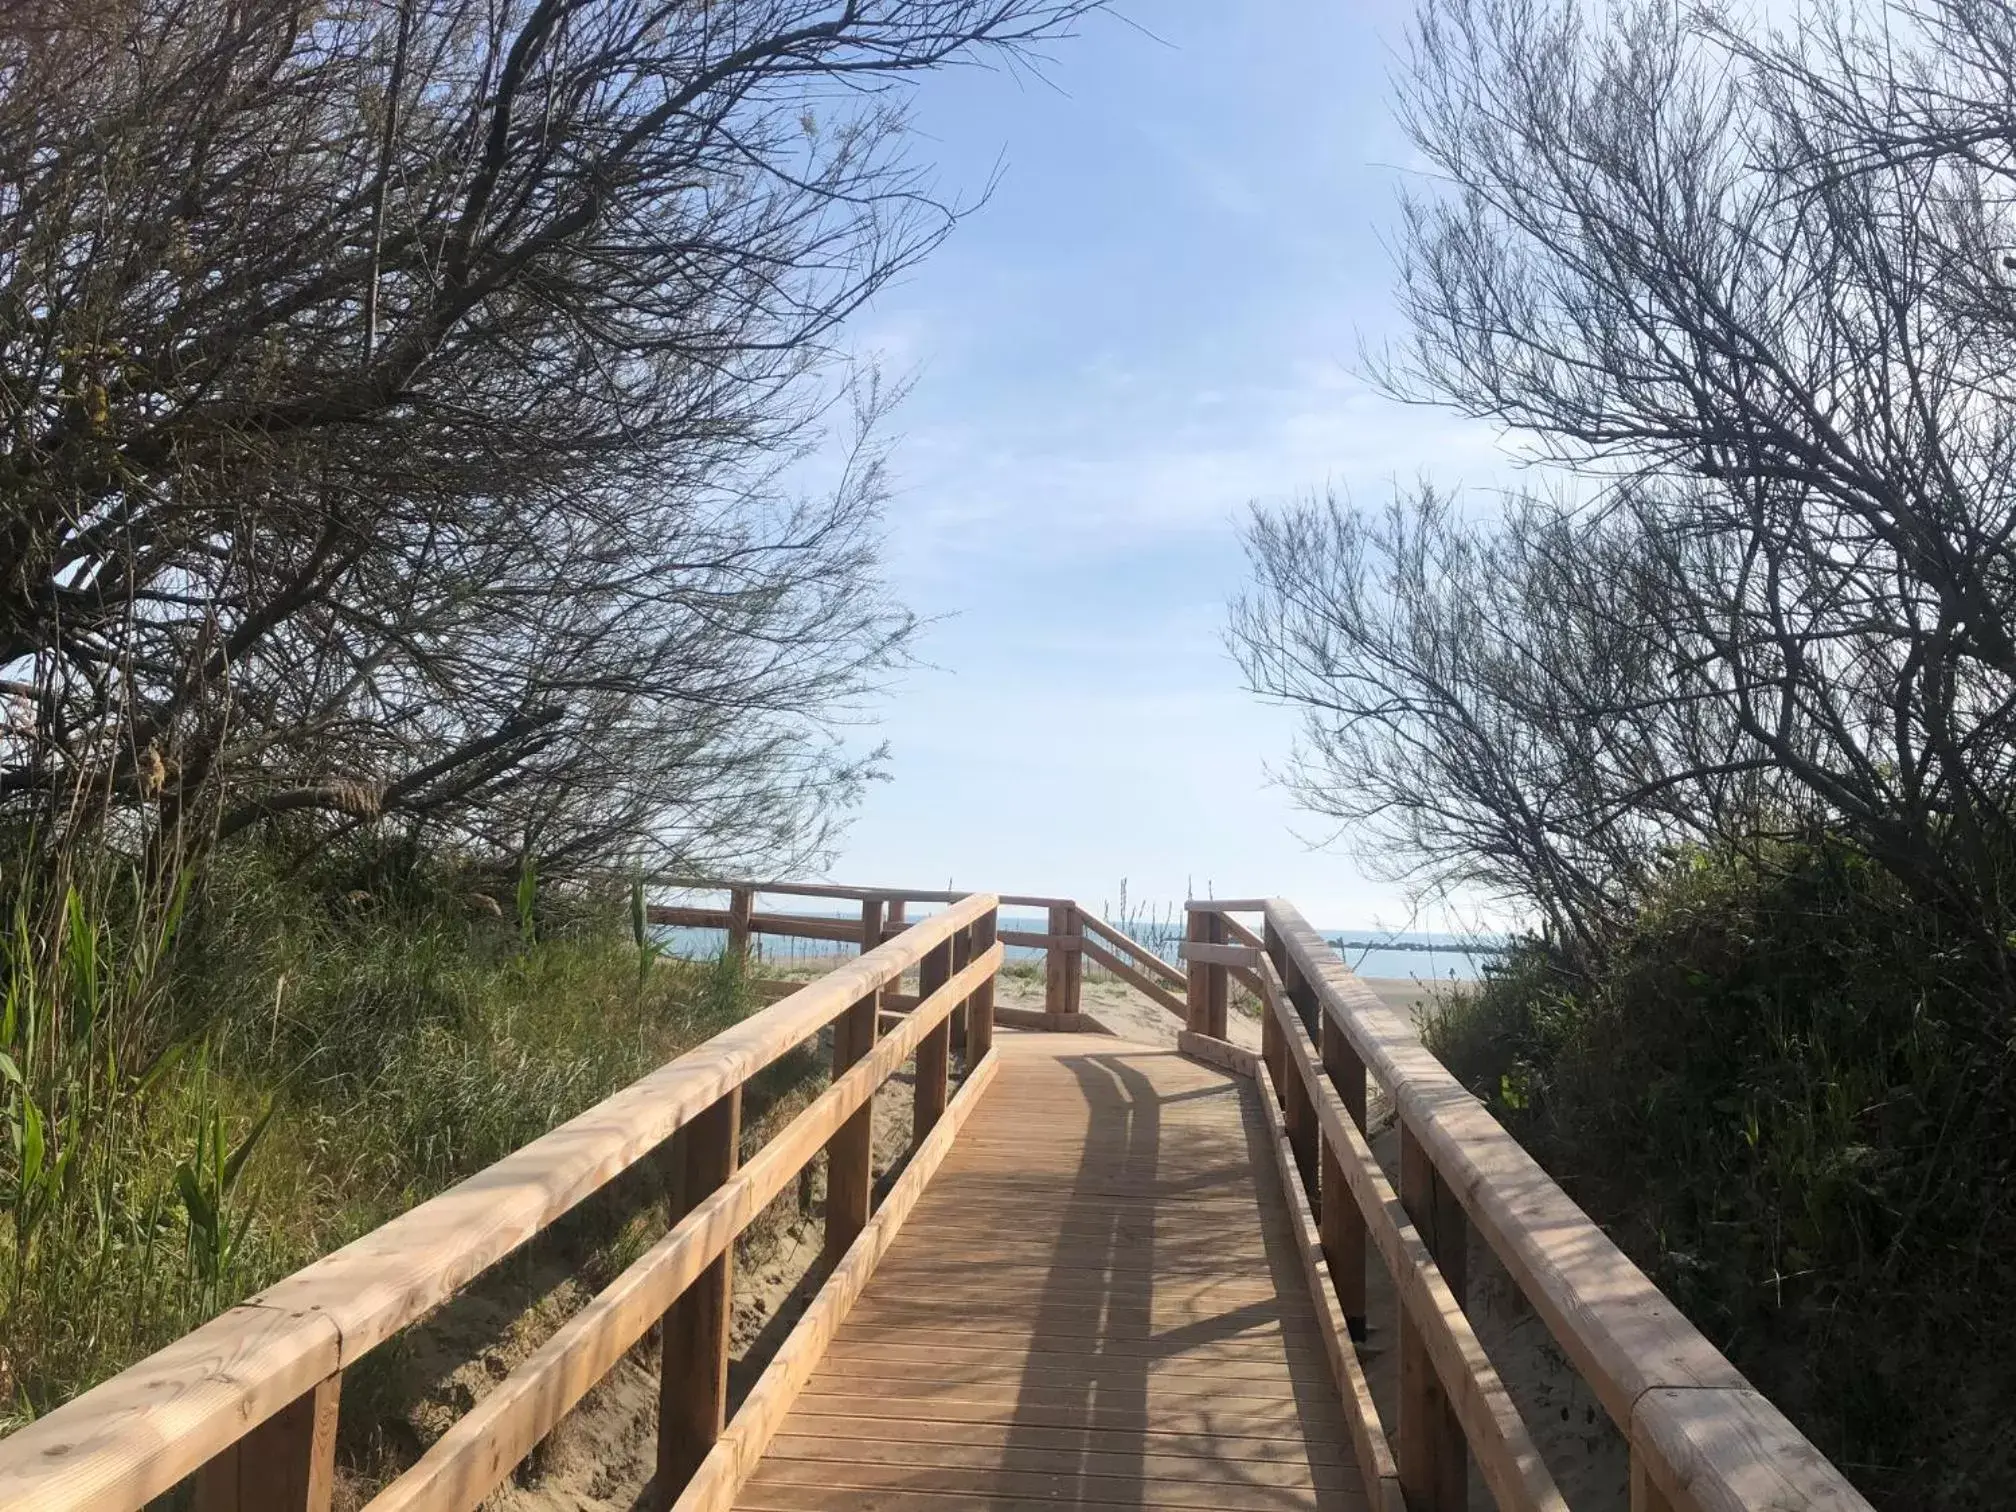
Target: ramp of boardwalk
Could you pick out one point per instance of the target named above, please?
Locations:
(1106, 1274)
(1095, 1304)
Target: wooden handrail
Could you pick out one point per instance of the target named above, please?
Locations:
(1701, 1438)
(797, 926)
(1496, 1435)
(138, 1434)
(1153, 990)
(1065, 934)
(1239, 934)
(468, 1461)
(849, 894)
(1221, 955)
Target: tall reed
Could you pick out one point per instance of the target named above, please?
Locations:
(206, 1080)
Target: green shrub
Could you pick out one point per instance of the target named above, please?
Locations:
(1788, 1096)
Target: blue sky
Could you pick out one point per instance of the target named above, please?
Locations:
(1153, 322)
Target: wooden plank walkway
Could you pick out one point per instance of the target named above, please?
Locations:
(1096, 1303)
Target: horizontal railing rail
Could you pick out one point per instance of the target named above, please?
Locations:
(248, 1402)
(1701, 1438)
(1072, 935)
(1447, 1381)
(844, 892)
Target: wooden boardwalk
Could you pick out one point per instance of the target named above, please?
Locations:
(1096, 1302)
(1109, 1275)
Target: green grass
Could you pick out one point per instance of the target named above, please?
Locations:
(210, 1082)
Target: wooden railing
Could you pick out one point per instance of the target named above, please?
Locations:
(1701, 1439)
(1072, 936)
(248, 1403)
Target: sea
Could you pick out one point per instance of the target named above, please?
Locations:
(1406, 955)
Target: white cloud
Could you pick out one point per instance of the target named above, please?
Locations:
(1117, 476)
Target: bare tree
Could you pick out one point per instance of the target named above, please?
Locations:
(407, 408)
(1741, 291)
(1494, 705)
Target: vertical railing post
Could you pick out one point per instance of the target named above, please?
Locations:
(1273, 1041)
(693, 1389)
(980, 1006)
(1298, 1116)
(1054, 985)
(1432, 1460)
(1208, 991)
(1274, 1051)
(872, 934)
(1197, 988)
(1341, 1223)
(1208, 986)
(741, 903)
(1645, 1493)
(897, 920)
(286, 1464)
(962, 957)
(934, 1051)
(1305, 1136)
(850, 1153)
(1218, 1000)
(1074, 958)
(1063, 963)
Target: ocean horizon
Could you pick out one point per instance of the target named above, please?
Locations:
(1405, 955)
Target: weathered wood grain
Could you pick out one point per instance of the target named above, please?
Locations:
(1063, 972)
(1221, 955)
(1729, 1450)
(742, 1446)
(1447, 1362)
(468, 1461)
(1380, 1476)
(1223, 1054)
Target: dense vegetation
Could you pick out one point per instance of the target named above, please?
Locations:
(1771, 1094)
(1721, 697)
(273, 1064)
